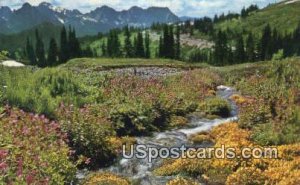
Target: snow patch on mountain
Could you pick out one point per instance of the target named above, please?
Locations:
(292, 1)
(85, 18)
(60, 20)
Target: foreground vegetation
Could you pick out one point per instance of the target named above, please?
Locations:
(269, 116)
(33, 150)
(95, 114)
(84, 116)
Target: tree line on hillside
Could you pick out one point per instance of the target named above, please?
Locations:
(206, 24)
(138, 47)
(249, 48)
(69, 48)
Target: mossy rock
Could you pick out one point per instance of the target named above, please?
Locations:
(201, 138)
(215, 106)
(178, 121)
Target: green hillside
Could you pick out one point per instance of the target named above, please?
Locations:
(17, 42)
(284, 16)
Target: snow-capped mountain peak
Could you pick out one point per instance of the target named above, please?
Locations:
(101, 19)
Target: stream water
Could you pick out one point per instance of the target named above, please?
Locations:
(140, 170)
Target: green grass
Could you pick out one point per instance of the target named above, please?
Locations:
(108, 63)
(284, 17)
(43, 90)
(235, 73)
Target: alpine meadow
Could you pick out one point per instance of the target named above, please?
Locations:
(83, 83)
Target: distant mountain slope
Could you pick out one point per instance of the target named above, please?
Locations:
(285, 16)
(14, 42)
(100, 20)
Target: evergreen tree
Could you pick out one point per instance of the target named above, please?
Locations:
(64, 50)
(240, 55)
(275, 45)
(139, 48)
(171, 44)
(117, 44)
(165, 48)
(243, 13)
(128, 48)
(216, 18)
(177, 45)
(204, 25)
(40, 51)
(160, 47)
(77, 47)
(30, 52)
(113, 44)
(250, 48)
(103, 48)
(221, 49)
(147, 45)
(266, 42)
(52, 53)
(134, 46)
(73, 44)
(296, 39)
(110, 43)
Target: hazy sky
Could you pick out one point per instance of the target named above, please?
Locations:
(194, 8)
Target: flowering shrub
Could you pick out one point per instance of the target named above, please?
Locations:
(182, 181)
(238, 99)
(246, 176)
(135, 105)
(139, 105)
(272, 107)
(183, 166)
(106, 179)
(89, 133)
(238, 171)
(33, 150)
(254, 113)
